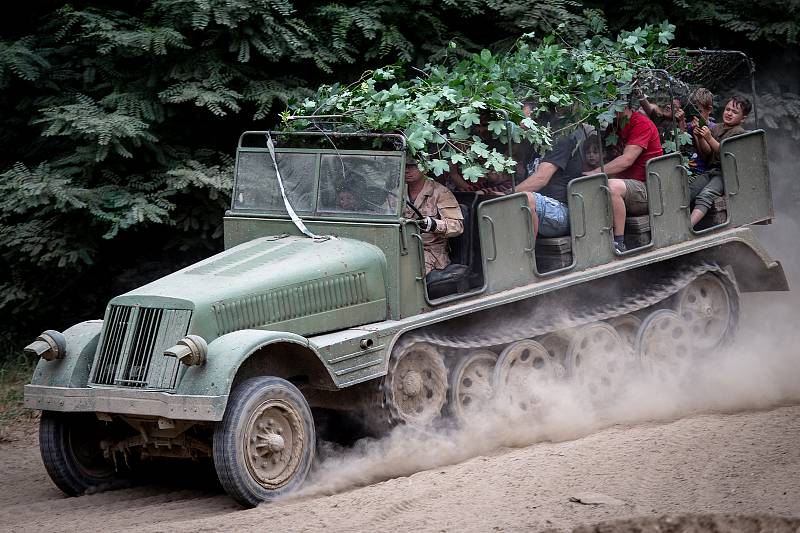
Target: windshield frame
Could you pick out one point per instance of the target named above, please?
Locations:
(316, 213)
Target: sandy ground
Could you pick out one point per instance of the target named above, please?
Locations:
(729, 444)
(744, 463)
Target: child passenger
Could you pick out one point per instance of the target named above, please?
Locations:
(709, 186)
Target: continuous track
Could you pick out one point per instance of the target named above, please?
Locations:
(555, 312)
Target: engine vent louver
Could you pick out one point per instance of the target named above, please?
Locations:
(292, 301)
(131, 348)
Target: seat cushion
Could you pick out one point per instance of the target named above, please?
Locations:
(451, 273)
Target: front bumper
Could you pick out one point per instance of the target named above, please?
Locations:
(125, 401)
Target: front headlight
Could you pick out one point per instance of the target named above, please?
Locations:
(49, 345)
(190, 350)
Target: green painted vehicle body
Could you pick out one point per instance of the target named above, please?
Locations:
(331, 308)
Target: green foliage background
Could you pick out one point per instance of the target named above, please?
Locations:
(118, 120)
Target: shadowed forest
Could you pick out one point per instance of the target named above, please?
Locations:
(119, 120)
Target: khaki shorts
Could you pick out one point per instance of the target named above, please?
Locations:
(636, 198)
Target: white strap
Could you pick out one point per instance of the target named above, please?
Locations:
(296, 219)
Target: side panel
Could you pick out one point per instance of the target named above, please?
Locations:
(354, 355)
(507, 242)
(591, 221)
(746, 175)
(668, 195)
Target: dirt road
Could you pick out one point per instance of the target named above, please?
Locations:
(729, 443)
(747, 463)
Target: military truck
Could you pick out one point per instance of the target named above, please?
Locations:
(320, 299)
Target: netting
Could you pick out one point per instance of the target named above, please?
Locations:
(680, 86)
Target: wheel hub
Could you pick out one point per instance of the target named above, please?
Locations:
(522, 369)
(416, 386)
(598, 359)
(412, 383)
(707, 308)
(275, 443)
(664, 345)
(471, 383)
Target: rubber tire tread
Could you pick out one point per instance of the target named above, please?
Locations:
(58, 462)
(233, 474)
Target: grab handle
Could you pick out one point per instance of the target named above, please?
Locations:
(735, 172)
(609, 209)
(660, 194)
(583, 214)
(685, 187)
(531, 238)
(494, 239)
(421, 254)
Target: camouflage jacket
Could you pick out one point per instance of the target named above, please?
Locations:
(435, 200)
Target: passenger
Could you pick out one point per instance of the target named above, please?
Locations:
(524, 153)
(703, 102)
(662, 117)
(346, 200)
(442, 216)
(705, 188)
(547, 187)
(639, 142)
(494, 184)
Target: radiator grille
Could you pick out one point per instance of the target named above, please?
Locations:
(131, 348)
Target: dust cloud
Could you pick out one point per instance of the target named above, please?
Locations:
(760, 370)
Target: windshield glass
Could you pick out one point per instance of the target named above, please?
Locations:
(318, 183)
(257, 187)
(358, 184)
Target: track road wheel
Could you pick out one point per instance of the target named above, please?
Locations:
(710, 307)
(598, 360)
(265, 443)
(70, 444)
(628, 327)
(664, 345)
(415, 388)
(556, 343)
(471, 383)
(522, 369)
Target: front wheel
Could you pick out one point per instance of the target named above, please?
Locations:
(265, 443)
(70, 444)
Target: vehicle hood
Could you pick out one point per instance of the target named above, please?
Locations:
(289, 283)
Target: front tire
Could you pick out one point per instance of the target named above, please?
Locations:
(70, 444)
(265, 443)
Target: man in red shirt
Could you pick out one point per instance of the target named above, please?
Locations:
(640, 143)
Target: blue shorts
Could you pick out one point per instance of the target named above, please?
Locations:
(553, 216)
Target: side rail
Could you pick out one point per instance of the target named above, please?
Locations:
(746, 176)
(591, 221)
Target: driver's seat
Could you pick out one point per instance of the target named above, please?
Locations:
(454, 278)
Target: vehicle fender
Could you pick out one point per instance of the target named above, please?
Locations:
(73, 369)
(227, 353)
(755, 270)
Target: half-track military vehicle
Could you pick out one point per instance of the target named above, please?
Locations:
(320, 300)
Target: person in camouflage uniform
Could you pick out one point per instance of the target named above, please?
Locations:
(442, 217)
